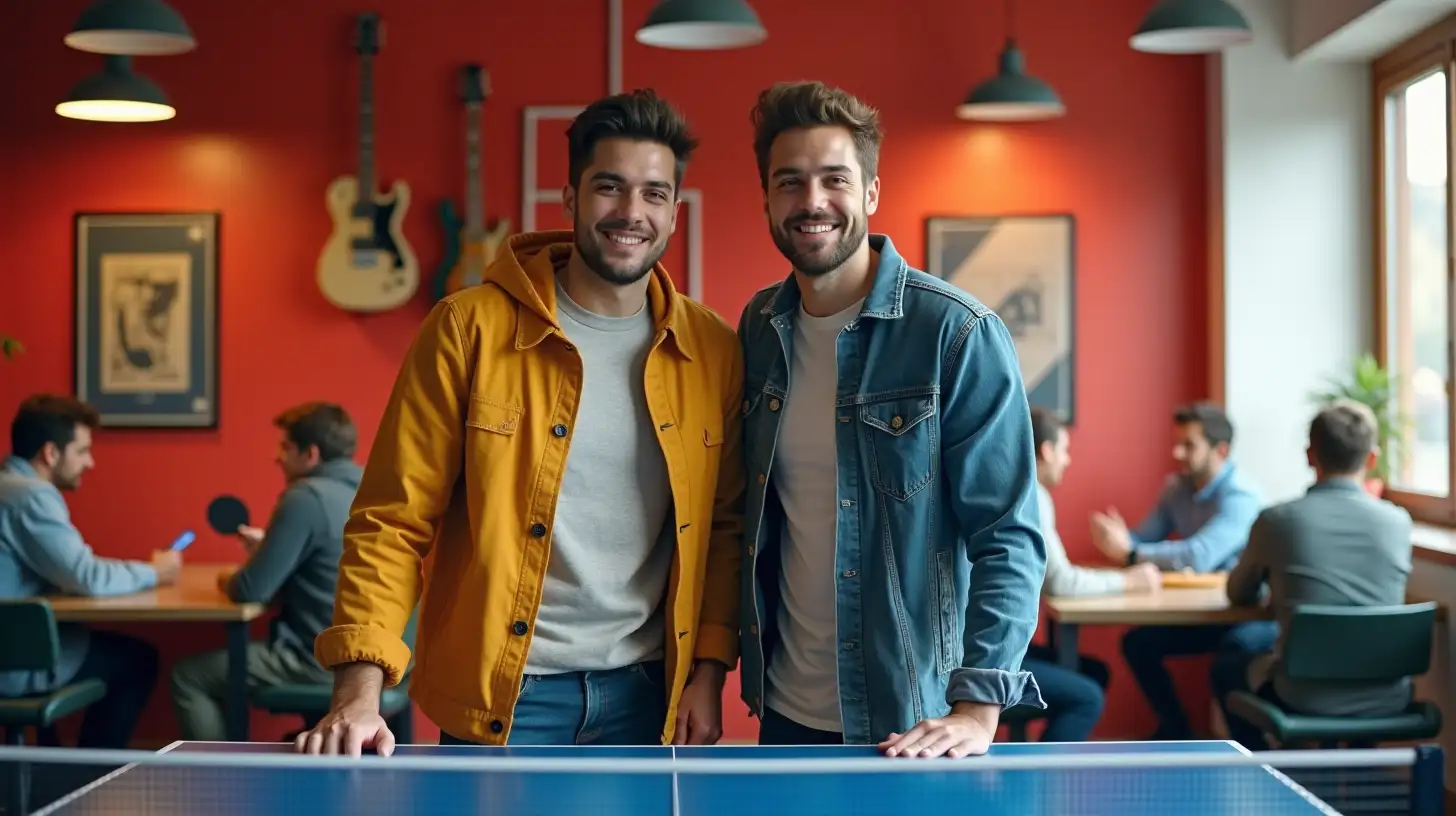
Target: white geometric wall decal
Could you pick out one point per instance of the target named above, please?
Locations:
(533, 195)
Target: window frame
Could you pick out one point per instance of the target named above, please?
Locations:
(1433, 48)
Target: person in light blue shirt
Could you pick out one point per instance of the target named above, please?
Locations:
(42, 553)
(1200, 523)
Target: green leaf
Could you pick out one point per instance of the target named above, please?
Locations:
(1371, 384)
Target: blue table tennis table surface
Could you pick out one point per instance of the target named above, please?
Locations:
(171, 790)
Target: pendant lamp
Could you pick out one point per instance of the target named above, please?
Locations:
(117, 94)
(132, 27)
(1012, 95)
(700, 25)
(1191, 27)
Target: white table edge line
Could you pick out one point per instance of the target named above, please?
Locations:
(1299, 789)
(91, 786)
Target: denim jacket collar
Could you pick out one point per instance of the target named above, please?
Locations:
(886, 298)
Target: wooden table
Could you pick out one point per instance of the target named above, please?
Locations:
(1167, 607)
(194, 598)
(1201, 606)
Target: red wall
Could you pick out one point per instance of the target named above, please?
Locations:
(266, 119)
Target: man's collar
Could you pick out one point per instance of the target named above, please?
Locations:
(886, 298)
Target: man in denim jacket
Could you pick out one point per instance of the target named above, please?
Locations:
(893, 559)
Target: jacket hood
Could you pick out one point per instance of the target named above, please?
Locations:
(526, 269)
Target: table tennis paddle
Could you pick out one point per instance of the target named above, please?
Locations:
(226, 514)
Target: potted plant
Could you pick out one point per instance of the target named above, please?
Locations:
(1371, 384)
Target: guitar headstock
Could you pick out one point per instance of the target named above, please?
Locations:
(474, 83)
(368, 34)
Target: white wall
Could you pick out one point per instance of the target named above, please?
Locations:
(1290, 152)
(1295, 192)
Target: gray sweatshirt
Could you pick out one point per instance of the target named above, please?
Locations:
(298, 561)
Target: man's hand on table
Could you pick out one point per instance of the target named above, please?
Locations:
(966, 731)
(168, 564)
(353, 722)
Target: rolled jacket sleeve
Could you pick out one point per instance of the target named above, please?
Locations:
(990, 462)
(406, 486)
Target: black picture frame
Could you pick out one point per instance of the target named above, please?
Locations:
(146, 317)
(1023, 266)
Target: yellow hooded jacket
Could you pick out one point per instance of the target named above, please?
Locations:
(466, 469)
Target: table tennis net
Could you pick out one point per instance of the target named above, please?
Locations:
(263, 778)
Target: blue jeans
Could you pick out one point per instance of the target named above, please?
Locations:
(776, 729)
(1230, 673)
(626, 706)
(1074, 698)
(1146, 648)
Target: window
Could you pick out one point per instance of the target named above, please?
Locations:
(1413, 93)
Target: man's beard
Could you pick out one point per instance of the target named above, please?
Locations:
(821, 263)
(587, 244)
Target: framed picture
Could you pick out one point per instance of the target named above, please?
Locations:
(146, 318)
(1023, 268)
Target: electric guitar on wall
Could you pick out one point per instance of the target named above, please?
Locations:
(367, 265)
(470, 248)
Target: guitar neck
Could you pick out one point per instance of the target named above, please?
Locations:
(366, 128)
(475, 188)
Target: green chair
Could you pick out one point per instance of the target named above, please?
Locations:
(312, 701)
(1394, 643)
(33, 643)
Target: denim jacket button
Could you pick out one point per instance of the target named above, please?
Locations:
(773, 405)
(896, 422)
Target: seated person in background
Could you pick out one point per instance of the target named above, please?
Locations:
(1201, 522)
(296, 560)
(1335, 545)
(42, 553)
(1074, 698)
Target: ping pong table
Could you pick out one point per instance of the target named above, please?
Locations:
(217, 790)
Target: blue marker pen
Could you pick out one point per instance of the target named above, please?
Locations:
(183, 541)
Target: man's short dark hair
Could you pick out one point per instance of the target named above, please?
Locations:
(789, 106)
(1046, 426)
(49, 418)
(321, 424)
(1215, 423)
(1342, 435)
(638, 115)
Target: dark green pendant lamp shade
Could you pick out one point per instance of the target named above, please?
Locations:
(132, 27)
(1012, 95)
(116, 94)
(698, 25)
(1191, 27)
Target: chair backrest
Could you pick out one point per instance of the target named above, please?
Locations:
(1359, 643)
(32, 642)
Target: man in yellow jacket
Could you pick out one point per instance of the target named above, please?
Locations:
(557, 474)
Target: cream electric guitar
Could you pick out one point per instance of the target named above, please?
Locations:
(367, 265)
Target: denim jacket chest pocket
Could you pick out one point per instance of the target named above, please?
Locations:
(903, 436)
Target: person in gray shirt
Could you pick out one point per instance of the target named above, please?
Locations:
(1336, 545)
(42, 553)
(294, 561)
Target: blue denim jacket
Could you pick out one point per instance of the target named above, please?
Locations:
(940, 556)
